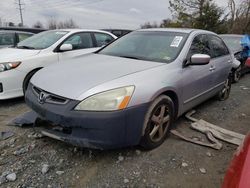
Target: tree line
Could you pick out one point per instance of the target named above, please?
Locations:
(206, 14)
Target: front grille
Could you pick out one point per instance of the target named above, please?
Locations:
(50, 98)
(1, 87)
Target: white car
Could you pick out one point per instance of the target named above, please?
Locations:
(19, 64)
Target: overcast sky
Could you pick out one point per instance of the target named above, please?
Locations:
(90, 13)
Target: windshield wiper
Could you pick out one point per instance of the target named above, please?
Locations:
(25, 47)
(130, 57)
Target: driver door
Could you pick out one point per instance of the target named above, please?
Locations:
(197, 80)
(82, 43)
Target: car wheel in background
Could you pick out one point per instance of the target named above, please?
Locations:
(225, 92)
(158, 121)
(236, 75)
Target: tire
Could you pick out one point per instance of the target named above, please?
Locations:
(225, 91)
(27, 80)
(157, 122)
(236, 75)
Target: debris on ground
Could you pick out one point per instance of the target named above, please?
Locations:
(11, 177)
(183, 164)
(215, 143)
(4, 135)
(209, 154)
(203, 170)
(217, 132)
(25, 119)
(45, 168)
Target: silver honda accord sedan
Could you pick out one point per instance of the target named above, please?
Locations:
(131, 91)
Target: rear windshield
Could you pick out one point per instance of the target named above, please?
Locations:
(160, 46)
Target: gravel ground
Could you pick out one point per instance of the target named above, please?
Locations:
(29, 160)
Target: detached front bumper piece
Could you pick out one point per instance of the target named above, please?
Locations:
(100, 130)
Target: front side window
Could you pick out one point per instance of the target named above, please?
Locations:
(200, 45)
(42, 40)
(218, 47)
(102, 39)
(160, 46)
(80, 41)
(6, 39)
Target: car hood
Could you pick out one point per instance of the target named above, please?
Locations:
(15, 54)
(72, 78)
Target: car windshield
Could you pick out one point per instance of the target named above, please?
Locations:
(233, 43)
(42, 40)
(6, 39)
(160, 46)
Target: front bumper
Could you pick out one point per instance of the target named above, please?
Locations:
(11, 84)
(100, 130)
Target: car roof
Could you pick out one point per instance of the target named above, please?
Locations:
(230, 35)
(179, 30)
(84, 30)
(80, 30)
(14, 31)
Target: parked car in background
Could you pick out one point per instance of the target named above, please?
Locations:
(233, 43)
(24, 29)
(131, 91)
(118, 32)
(19, 64)
(238, 172)
(11, 38)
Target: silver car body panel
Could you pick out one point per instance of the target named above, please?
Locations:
(96, 73)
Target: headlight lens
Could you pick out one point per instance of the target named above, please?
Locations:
(9, 66)
(116, 99)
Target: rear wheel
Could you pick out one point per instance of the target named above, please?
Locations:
(157, 122)
(236, 75)
(225, 92)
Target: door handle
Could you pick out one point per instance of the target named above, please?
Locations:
(212, 68)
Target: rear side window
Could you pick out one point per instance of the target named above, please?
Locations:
(102, 39)
(200, 45)
(218, 47)
(80, 41)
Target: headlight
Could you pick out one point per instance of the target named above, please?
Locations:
(9, 66)
(116, 99)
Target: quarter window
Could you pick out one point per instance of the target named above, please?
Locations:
(218, 47)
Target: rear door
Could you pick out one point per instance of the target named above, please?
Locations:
(221, 60)
(102, 39)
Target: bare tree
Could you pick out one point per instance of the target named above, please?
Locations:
(67, 24)
(38, 24)
(239, 21)
(52, 23)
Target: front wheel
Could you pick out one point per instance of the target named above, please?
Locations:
(225, 92)
(27, 80)
(157, 123)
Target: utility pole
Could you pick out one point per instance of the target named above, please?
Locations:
(20, 10)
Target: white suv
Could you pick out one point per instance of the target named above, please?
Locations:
(19, 64)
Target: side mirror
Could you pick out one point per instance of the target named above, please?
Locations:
(66, 47)
(199, 59)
